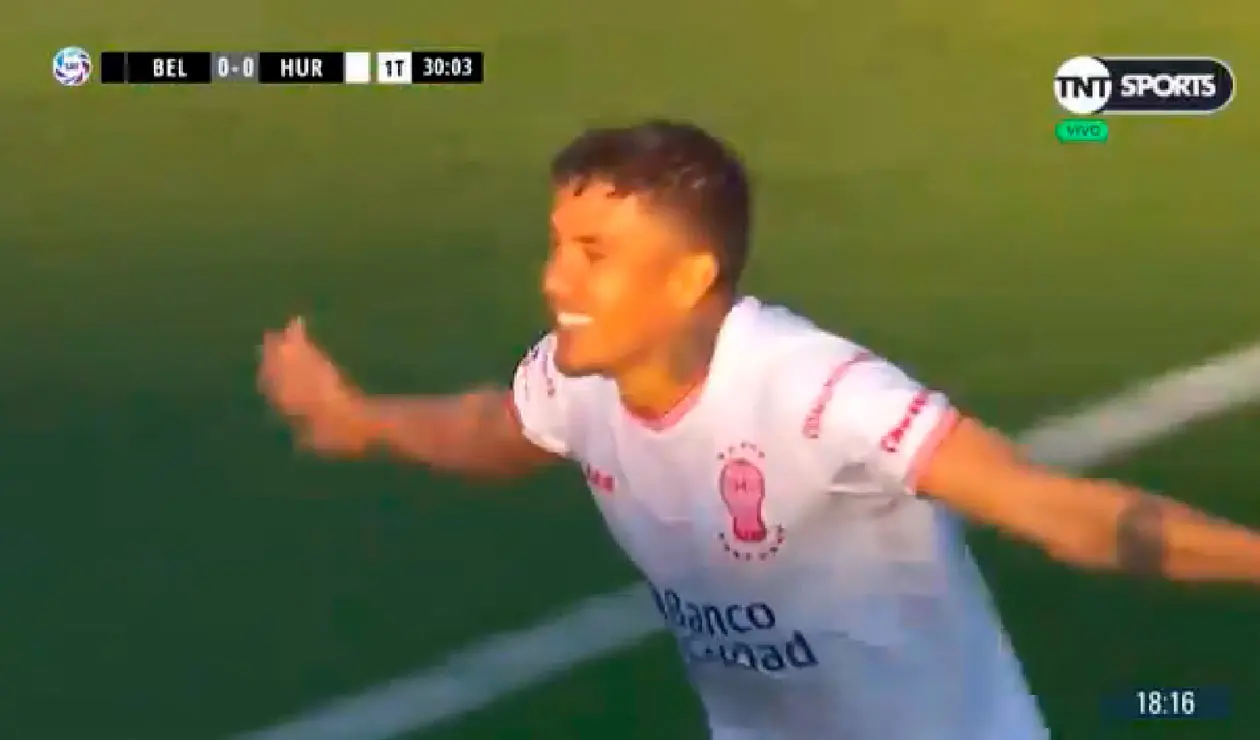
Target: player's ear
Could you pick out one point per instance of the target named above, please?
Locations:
(695, 276)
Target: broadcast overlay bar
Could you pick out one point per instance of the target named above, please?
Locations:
(291, 67)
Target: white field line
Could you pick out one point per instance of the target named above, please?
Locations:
(502, 664)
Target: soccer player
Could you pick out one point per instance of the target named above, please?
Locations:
(791, 497)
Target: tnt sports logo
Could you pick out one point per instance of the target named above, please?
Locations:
(72, 66)
(1152, 86)
(733, 635)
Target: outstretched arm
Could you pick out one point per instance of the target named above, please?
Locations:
(475, 433)
(1088, 523)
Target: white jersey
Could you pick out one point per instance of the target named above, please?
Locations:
(811, 592)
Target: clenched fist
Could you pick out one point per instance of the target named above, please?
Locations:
(302, 383)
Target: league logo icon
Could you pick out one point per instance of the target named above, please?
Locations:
(72, 66)
(742, 485)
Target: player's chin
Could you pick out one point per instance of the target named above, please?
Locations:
(573, 360)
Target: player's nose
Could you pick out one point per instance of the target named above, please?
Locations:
(557, 285)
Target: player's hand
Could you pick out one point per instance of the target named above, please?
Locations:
(301, 382)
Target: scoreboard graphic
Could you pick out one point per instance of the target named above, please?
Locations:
(74, 67)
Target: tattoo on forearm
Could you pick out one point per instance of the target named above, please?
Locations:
(1140, 543)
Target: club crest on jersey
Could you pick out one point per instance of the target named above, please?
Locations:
(742, 486)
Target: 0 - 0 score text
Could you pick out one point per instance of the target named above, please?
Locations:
(247, 67)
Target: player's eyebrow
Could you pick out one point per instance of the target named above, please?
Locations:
(588, 238)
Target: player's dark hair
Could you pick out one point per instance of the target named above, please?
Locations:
(677, 165)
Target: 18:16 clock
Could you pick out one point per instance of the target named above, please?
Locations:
(1169, 702)
(448, 67)
(1166, 703)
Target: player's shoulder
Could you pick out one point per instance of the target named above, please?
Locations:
(800, 371)
(536, 369)
(785, 345)
(549, 405)
(537, 377)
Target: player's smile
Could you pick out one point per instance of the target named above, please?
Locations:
(570, 320)
(571, 336)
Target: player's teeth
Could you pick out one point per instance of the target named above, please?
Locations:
(572, 319)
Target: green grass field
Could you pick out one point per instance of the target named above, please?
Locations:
(171, 571)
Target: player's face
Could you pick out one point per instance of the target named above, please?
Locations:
(620, 276)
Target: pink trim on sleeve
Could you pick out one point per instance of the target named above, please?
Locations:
(949, 419)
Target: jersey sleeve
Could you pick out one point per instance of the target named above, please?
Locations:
(539, 399)
(869, 417)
